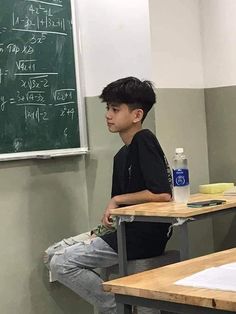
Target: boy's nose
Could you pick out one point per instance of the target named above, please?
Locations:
(108, 115)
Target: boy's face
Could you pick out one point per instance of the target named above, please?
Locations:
(121, 118)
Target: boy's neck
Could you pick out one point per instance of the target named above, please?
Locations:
(128, 135)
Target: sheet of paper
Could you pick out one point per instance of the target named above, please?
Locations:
(219, 278)
(230, 265)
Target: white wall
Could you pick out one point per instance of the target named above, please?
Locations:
(177, 70)
(115, 38)
(195, 43)
(178, 74)
(219, 36)
(176, 44)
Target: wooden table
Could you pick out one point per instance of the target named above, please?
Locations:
(168, 212)
(156, 288)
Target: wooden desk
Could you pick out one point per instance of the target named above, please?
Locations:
(156, 288)
(168, 212)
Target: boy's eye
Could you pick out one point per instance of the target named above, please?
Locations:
(114, 109)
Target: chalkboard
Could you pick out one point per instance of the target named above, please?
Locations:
(41, 106)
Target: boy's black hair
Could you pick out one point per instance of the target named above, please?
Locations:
(131, 91)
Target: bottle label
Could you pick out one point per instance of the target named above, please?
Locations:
(181, 177)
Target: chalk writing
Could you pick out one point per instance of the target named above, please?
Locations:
(37, 78)
(39, 19)
(37, 82)
(1, 48)
(15, 49)
(2, 73)
(67, 112)
(35, 114)
(2, 103)
(54, 2)
(26, 65)
(64, 94)
(17, 144)
(31, 96)
(37, 39)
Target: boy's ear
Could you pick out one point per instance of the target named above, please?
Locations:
(138, 115)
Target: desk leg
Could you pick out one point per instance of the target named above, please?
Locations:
(123, 308)
(122, 255)
(184, 241)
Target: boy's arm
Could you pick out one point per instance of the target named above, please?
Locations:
(132, 199)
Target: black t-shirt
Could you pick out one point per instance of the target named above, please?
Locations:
(141, 166)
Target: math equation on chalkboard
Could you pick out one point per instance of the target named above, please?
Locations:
(39, 96)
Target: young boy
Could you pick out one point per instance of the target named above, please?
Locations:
(140, 174)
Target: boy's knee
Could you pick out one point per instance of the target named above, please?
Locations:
(57, 265)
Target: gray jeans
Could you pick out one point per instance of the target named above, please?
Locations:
(72, 262)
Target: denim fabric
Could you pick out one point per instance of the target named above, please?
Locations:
(73, 265)
(56, 247)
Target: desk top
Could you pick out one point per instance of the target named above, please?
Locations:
(158, 284)
(172, 209)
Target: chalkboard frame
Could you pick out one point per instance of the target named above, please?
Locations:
(83, 149)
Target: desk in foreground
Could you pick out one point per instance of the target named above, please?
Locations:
(156, 288)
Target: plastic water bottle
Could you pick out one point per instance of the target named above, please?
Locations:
(180, 177)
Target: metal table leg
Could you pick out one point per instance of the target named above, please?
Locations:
(123, 308)
(122, 254)
(184, 241)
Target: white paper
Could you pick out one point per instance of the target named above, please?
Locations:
(230, 265)
(219, 278)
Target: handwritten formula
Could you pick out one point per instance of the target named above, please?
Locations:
(38, 94)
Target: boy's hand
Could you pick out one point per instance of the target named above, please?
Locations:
(106, 219)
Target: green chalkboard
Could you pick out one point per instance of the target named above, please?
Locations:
(40, 97)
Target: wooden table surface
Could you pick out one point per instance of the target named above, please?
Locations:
(172, 209)
(158, 284)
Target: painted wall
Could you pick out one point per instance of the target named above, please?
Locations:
(115, 39)
(177, 70)
(219, 26)
(218, 40)
(176, 44)
(178, 73)
(44, 201)
(40, 203)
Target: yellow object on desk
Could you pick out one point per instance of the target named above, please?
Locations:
(215, 188)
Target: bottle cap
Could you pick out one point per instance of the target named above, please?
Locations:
(179, 150)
